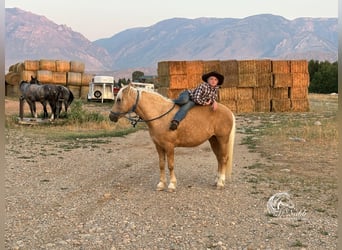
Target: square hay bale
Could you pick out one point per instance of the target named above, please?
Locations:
(230, 80)
(263, 66)
(299, 66)
(194, 67)
(86, 78)
(262, 105)
(244, 93)
(282, 80)
(247, 66)
(174, 93)
(280, 105)
(193, 81)
(212, 65)
(44, 76)
(300, 105)
(12, 90)
(231, 104)
(178, 81)
(262, 93)
(298, 93)
(229, 67)
(167, 68)
(227, 94)
(245, 106)
(163, 91)
(76, 90)
(264, 79)
(45, 64)
(62, 66)
(31, 65)
(26, 75)
(74, 78)
(247, 80)
(59, 78)
(77, 66)
(164, 81)
(280, 93)
(84, 92)
(281, 66)
(300, 79)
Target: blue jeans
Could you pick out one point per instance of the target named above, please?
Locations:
(185, 104)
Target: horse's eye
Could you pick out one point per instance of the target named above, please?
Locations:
(118, 100)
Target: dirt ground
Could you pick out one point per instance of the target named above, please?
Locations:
(101, 194)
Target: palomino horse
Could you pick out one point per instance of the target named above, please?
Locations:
(200, 124)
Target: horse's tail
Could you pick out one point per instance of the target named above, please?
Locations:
(231, 146)
(71, 97)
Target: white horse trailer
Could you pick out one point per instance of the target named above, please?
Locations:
(101, 88)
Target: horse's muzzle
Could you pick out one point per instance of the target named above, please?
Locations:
(113, 117)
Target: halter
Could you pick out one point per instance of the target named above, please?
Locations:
(134, 120)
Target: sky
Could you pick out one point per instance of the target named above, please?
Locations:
(105, 18)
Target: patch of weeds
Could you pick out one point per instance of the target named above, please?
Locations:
(24, 157)
(323, 232)
(297, 243)
(320, 210)
(250, 142)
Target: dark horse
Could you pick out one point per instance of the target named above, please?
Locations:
(53, 94)
(66, 97)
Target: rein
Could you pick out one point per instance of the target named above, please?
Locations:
(134, 120)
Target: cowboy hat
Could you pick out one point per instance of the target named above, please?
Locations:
(213, 73)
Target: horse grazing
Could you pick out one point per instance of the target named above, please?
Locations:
(200, 124)
(34, 92)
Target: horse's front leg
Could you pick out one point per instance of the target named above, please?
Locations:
(162, 179)
(170, 162)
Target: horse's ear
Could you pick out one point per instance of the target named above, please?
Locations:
(32, 77)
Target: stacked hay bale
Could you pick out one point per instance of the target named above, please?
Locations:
(249, 85)
(67, 73)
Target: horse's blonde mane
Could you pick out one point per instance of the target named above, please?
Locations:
(156, 94)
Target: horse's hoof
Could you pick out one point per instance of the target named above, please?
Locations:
(160, 186)
(219, 187)
(171, 188)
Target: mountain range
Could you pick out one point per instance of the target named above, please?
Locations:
(31, 36)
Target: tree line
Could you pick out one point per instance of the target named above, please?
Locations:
(323, 77)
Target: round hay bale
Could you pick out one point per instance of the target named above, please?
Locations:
(74, 78)
(26, 75)
(44, 76)
(11, 68)
(76, 66)
(31, 65)
(19, 67)
(45, 64)
(62, 66)
(12, 78)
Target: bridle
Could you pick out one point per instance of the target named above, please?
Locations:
(135, 119)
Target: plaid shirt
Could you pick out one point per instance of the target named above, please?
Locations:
(203, 93)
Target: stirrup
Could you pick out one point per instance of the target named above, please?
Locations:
(174, 125)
